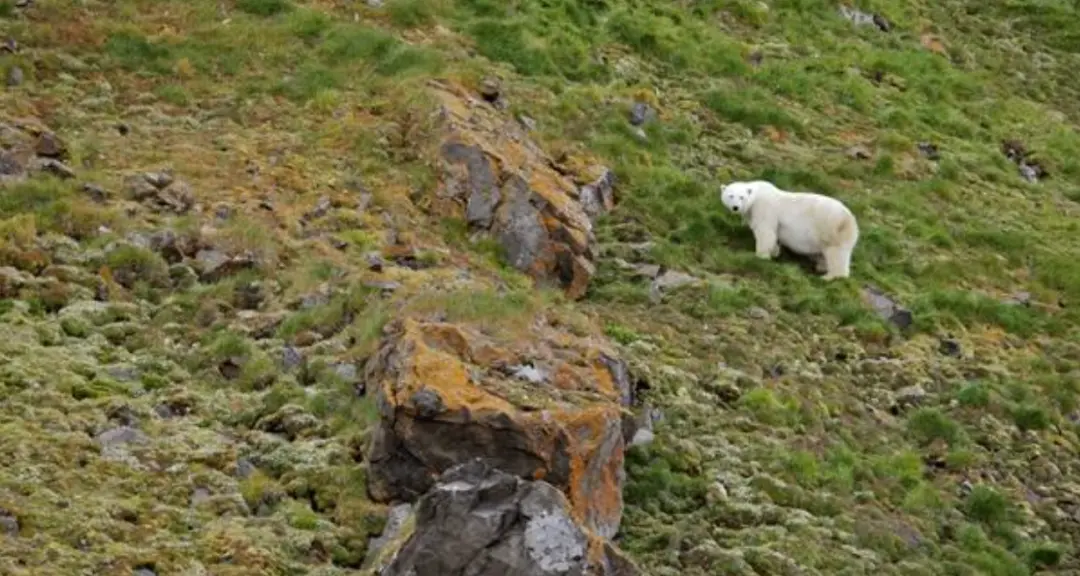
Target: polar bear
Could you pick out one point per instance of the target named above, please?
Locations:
(806, 223)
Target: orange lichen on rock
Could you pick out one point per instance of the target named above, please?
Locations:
(447, 394)
(500, 181)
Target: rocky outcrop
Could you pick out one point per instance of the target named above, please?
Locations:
(28, 147)
(550, 410)
(500, 181)
(481, 521)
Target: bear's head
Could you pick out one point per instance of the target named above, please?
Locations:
(736, 196)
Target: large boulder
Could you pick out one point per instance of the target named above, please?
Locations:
(551, 409)
(481, 521)
(500, 181)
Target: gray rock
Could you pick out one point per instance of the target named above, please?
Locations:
(15, 76)
(394, 523)
(144, 572)
(50, 145)
(490, 90)
(121, 435)
(291, 358)
(530, 374)
(910, 396)
(860, 18)
(598, 197)
(161, 192)
(481, 521)
(886, 308)
(483, 193)
(930, 150)
(96, 192)
(385, 286)
(9, 524)
(52, 166)
(641, 113)
(428, 404)
(244, 468)
(1019, 299)
(669, 280)
(346, 371)
(199, 495)
(859, 152)
(10, 165)
(214, 264)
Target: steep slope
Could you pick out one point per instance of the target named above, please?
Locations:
(213, 214)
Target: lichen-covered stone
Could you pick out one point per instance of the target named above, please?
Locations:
(445, 396)
(502, 182)
(480, 520)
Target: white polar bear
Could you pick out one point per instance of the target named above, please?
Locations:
(809, 224)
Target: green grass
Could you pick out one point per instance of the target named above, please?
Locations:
(780, 449)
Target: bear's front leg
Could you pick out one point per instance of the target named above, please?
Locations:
(765, 237)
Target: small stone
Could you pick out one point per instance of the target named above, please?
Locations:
(642, 437)
(669, 280)
(428, 404)
(385, 286)
(887, 309)
(10, 45)
(121, 435)
(859, 152)
(758, 313)
(159, 179)
(910, 395)
(144, 571)
(929, 150)
(54, 167)
(641, 113)
(15, 76)
(530, 374)
(244, 468)
(199, 495)
(490, 90)
(215, 264)
(346, 371)
(231, 368)
(374, 3)
(949, 347)
(96, 192)
(291, 358)
(322, 206)
(1020, 299)
(375, 262)
(527, 122)
(9, 524)
(50, 146)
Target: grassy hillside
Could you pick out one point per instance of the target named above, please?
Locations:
(800, 431)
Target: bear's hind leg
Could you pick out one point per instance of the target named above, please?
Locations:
(837, 262)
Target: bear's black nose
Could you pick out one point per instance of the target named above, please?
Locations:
(735, 208)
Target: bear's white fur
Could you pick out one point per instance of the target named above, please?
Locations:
(810, 224)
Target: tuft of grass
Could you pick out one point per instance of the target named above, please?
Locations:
(264, 8)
